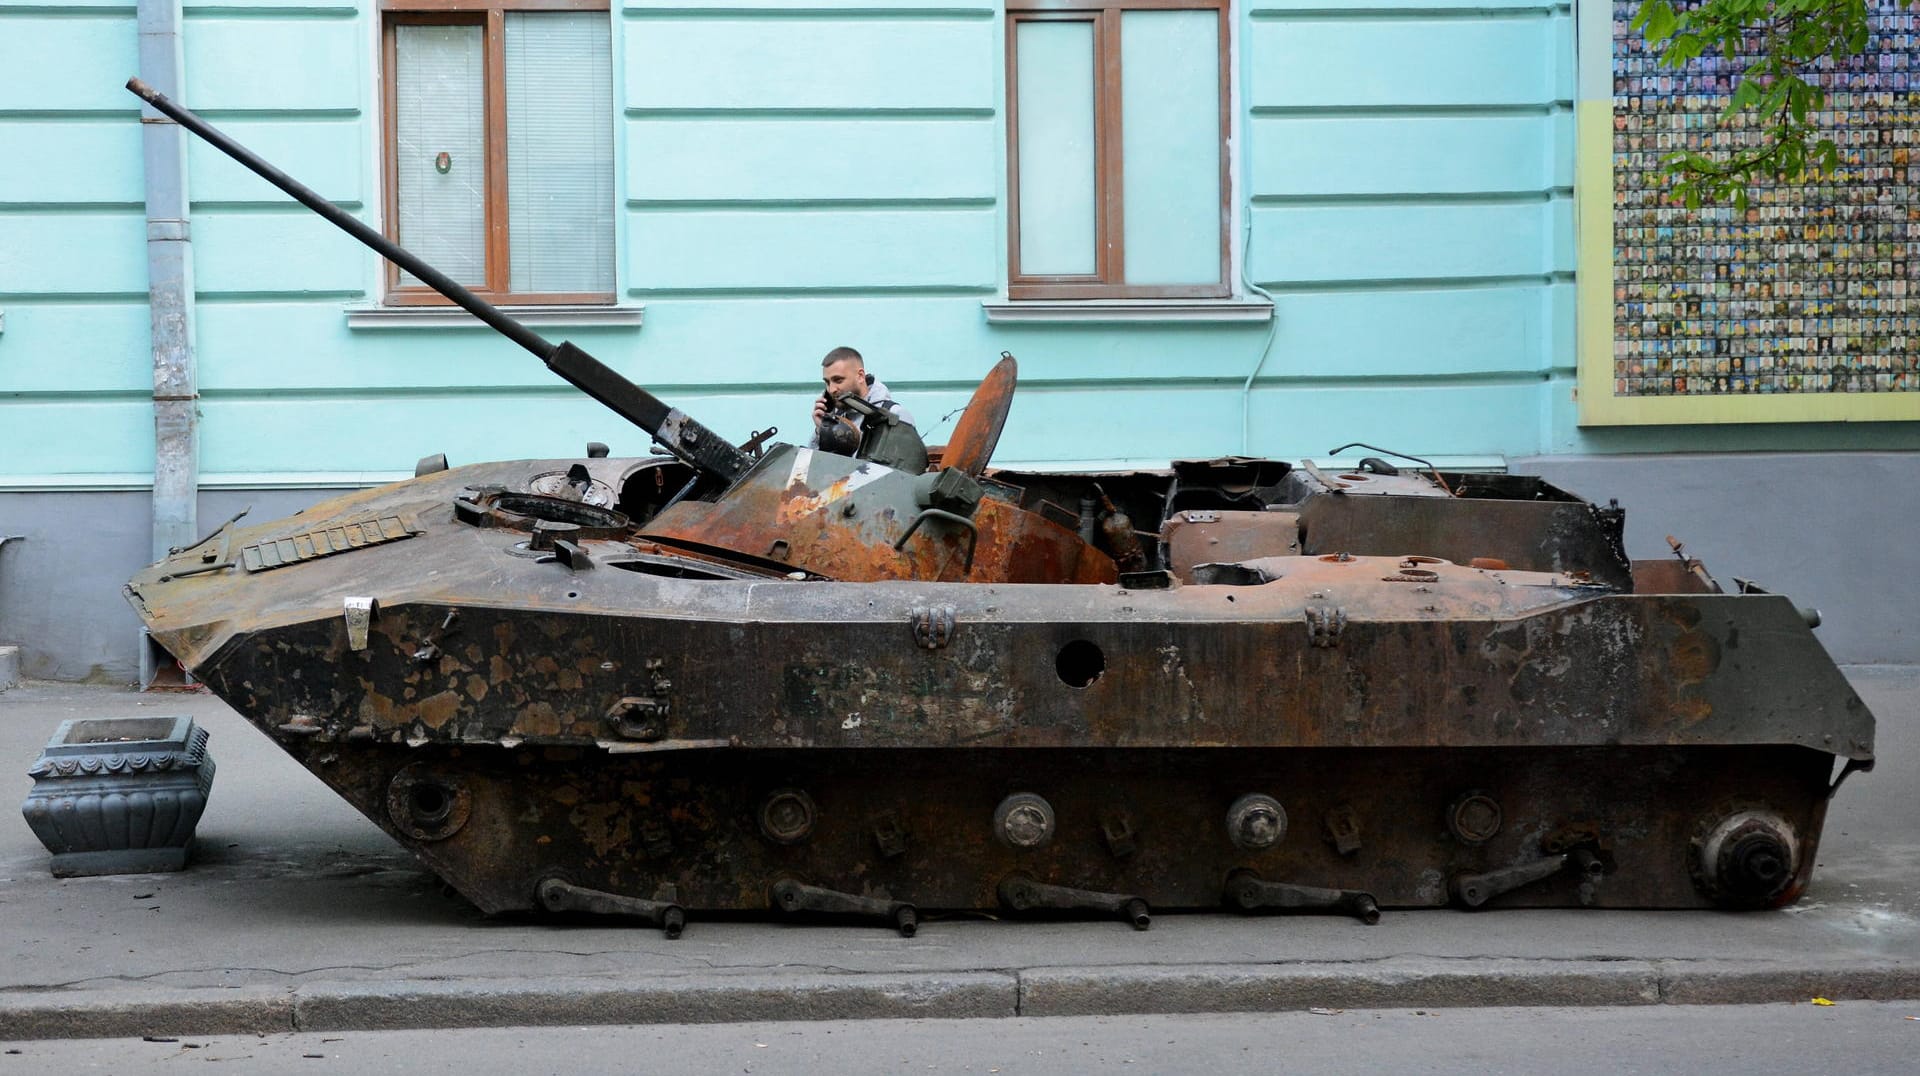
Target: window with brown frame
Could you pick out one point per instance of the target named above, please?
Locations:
(498, 131)
(1117, 159)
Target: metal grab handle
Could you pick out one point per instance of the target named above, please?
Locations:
(559, 895)
(790, 895)
(1431, 469)
(973, 532)
(1473, 890)
(1024, 894)
(1249, 892)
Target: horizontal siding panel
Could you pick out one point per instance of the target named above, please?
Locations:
(1148, 422)
(1428, 420)
(332, 357)
(374, 432)
(1133, 421)
(1456, 8)
(1091, 422)
(79, 163)
(94, 252)
(75, 348)
(910, 340)
(686, 342)
(69, 162)
(820, 63)
(726, 249)
(390, 433)
(1310, 155)
(76, 436)
(76, 7)
(1332, 62)
(292, 251)
(1302, 244)
(331, 8)
(871, 8)
(278, 63)
(914, 341)
(1411, 333)
(55, 64)
(699, 158)
(698, 342)
(326, 155)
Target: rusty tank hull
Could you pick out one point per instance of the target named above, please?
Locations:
(772, 678)
(626, 722)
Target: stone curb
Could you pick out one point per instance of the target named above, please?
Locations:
(94, 1014)
(1735, 983)
(513, 1003)
(1385, 984)
(387, 1006)
(1035, 992)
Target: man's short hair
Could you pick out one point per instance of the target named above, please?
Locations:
(843, 354)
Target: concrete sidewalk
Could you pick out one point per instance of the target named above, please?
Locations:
(297, 913)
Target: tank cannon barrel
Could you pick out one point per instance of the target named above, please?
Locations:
(672, 429)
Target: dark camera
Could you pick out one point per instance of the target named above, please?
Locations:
(839, 430)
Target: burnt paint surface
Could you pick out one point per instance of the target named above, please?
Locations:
(1546, 536)
(1607, 670)
(842, 519)
(620, 729)
(629, 824)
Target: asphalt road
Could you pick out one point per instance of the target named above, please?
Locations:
(1858, 1038)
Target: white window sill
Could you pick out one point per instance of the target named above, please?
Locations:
(452, 317)
(1095, 311)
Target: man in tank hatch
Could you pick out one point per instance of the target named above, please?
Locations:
(844, 373)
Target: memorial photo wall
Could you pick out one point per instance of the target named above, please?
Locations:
(1809, 292)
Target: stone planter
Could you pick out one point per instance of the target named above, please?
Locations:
(120, 795)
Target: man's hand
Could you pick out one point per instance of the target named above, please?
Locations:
(820, 406)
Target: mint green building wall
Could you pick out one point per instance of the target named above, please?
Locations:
(798, 175)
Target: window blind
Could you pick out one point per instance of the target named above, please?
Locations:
(439, 93)
(559, 152)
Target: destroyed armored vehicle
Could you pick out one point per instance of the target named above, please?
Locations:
(770, 677)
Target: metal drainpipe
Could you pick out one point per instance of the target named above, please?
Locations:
(176, 431)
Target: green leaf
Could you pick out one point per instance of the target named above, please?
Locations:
(1660, 20)
(1775, 97)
